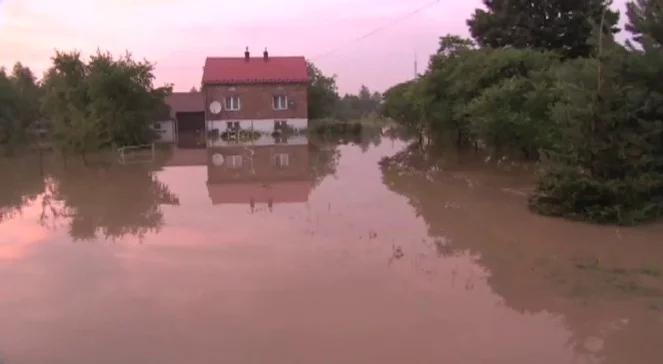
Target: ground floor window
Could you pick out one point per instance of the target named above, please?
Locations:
(232, 125)
(280, 125)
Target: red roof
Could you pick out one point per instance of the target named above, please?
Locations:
(185, 102)
(255, 70)
(278, 192)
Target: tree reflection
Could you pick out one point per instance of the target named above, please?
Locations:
(20, 184)
(538, 264)
(109, 201)
(323, 160)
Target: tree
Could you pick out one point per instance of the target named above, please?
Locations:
(19, 105)
(323, 93)
(7, 107)
(607, 166)
(564, 26)
(105, 102)
(28, 95)
(646, 22)
(122, 97)
(66, 101)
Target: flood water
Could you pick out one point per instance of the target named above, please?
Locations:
(313, 252)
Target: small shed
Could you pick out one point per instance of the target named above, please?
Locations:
(187, 113)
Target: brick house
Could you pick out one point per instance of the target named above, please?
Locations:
(263, 94)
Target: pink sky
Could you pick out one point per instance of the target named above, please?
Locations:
(178, 34)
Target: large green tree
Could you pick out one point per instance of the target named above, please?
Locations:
(323, 93)
(105, 102)
(564, 26)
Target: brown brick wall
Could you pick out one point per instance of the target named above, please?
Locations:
(259, 164)
(256, 101)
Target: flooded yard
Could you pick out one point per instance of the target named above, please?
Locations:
(313, 252)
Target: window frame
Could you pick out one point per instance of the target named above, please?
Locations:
(277, 105)
(282, 160)
(233, 103)
(235, 161)
(233, 125)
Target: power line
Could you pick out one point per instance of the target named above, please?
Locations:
(379, 29)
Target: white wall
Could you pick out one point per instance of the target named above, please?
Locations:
(166, 131)
(262, 126)
(262, 141)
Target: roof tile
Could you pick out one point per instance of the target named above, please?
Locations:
(255, 70)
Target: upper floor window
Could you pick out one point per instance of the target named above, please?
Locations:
(233, 103)
(280, 102)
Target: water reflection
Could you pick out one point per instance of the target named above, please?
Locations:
(606, 282)
(99, 200)
(21, 182)
(108, 201)
(260, 173)
(414, 259)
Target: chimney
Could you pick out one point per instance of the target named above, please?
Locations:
(247, 55)
(265, 55)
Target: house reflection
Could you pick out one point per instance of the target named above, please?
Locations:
(269, 170)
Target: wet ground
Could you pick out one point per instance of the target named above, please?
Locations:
(313, 252)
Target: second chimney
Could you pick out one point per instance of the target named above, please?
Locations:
(247, 54)
(265, 55)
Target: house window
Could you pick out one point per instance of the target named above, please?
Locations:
(280, 125)
(282, 160)
(235, 161)
(280, 102)
(233, 103)
(232, 125)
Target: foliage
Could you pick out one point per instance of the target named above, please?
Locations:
(607, 166)
(323, 93)
(595, 123)
(512, 114)
(325, 102)
(105, 102)
(497, 97)
(555, 25)
(363, 105)
(646, 22)
(19, 111)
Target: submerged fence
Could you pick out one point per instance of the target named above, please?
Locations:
(145, 153)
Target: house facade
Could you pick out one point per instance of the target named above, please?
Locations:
(260, 94)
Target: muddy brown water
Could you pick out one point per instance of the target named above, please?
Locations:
(313, 252)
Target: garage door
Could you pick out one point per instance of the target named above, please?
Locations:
(191, 129)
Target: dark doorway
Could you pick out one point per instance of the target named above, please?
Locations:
(191, 129)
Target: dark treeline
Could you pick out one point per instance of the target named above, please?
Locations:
(82, 107)
(547, 81)
(325, 101)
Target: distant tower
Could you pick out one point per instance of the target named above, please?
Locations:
(416, 66)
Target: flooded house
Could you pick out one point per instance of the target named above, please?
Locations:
(256, 94)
